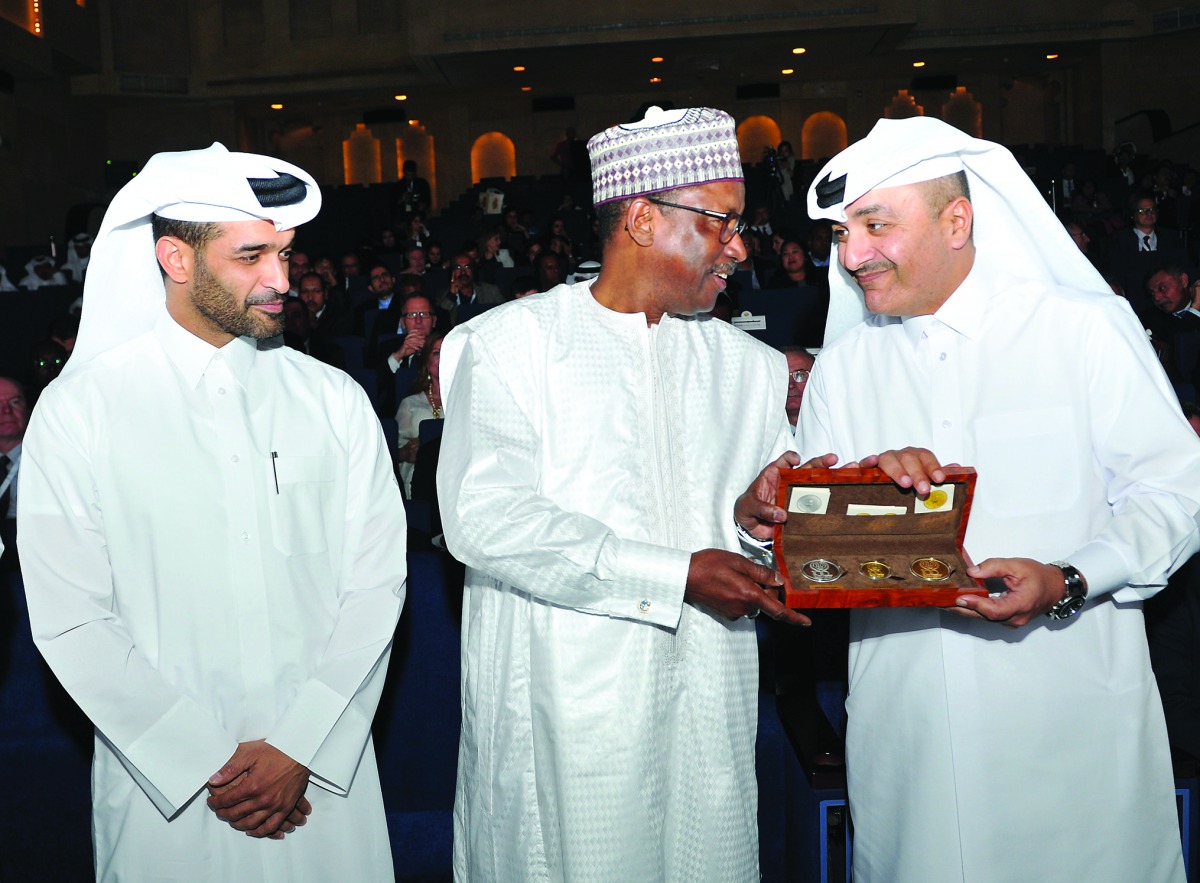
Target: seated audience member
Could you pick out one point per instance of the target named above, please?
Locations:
(820, 249)
(492, 256)
(390, 322)
(514, 237)
(799, 366)
(381, 285)
(793, 267)
(351, 265)
(413, 231)
(414, 260)
(584, 272)
(435, 257)
(551, 270)
(425, 403)
(327, 269)
(41, 273)
(463, 288)
(14, 416)
(327, 318)
(63, 331)
(1175, 326)
(751, 264)
(298, 265)
(46, 361)
(417, 321)
(1136, 251)
(298, 334)
(79, 251)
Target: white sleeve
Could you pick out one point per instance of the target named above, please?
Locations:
(327, 724)
(496, 521)
(166, 740)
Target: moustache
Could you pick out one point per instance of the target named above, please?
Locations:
(256, 299)
(873, 267)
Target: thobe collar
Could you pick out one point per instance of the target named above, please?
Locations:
(192, 356)
(962, 311)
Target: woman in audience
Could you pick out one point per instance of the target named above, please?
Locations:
(425, 403)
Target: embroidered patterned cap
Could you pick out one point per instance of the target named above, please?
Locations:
(667, 149)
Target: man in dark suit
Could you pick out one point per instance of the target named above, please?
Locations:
(465, 290)
(1136, 251)
(1175, 326)
(328, 318)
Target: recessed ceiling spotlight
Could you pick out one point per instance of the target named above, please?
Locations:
(656, 79)
(918, 64)
(400, 97)
(657, 59)
(276, 107)
(1051, 56)
(519, 68)
(799, 50)
(786, 71)
(526, 88)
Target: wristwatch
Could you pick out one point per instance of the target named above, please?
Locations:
(1075, 593)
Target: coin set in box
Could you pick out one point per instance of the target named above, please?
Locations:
(853, 538)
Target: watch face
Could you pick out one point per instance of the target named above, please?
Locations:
(1067, 608)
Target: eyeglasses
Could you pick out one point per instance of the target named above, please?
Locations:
(460, 267)
(800, 375)
(419, 314)
(732, 224)
(1147, 211)
(375, 277)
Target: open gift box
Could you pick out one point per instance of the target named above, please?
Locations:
(853, 538)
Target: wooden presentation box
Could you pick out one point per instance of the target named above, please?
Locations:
(828, 529)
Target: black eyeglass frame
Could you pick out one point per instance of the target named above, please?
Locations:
(727, 233)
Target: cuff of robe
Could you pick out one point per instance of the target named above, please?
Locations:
(309, 724)
(656, 578)
(1105, 571)
(178, 754)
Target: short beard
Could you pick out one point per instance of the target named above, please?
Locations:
(219, 305)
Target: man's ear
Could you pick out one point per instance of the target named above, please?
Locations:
(639, 221)
(176, 257)
(960, 215)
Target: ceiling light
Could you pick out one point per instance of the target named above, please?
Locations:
(519, 68)
(276, 107)
(400, 97)
(799, 50)
(918, 64)
(656, 79)
(657, 59)
(1052, 56)
(787, 70)
(526, 88)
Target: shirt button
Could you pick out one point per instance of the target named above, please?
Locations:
(221, 391)
(946, 424)
(644, 605)
(245, 537)
(233, 459)
(942, 357)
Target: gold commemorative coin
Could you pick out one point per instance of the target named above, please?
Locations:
(930, 569)
(874, 570)
(821, 570)
(936, 499)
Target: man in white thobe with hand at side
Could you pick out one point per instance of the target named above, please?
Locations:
(213, 543)
(597, 436)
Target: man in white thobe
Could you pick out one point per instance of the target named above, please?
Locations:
(213, 544)
(1002, 744)
(597, 436)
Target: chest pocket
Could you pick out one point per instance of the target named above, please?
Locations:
(1041, 445)
(299, 510)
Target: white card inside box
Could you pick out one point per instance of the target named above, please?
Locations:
(809, 500)
(940, 499)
